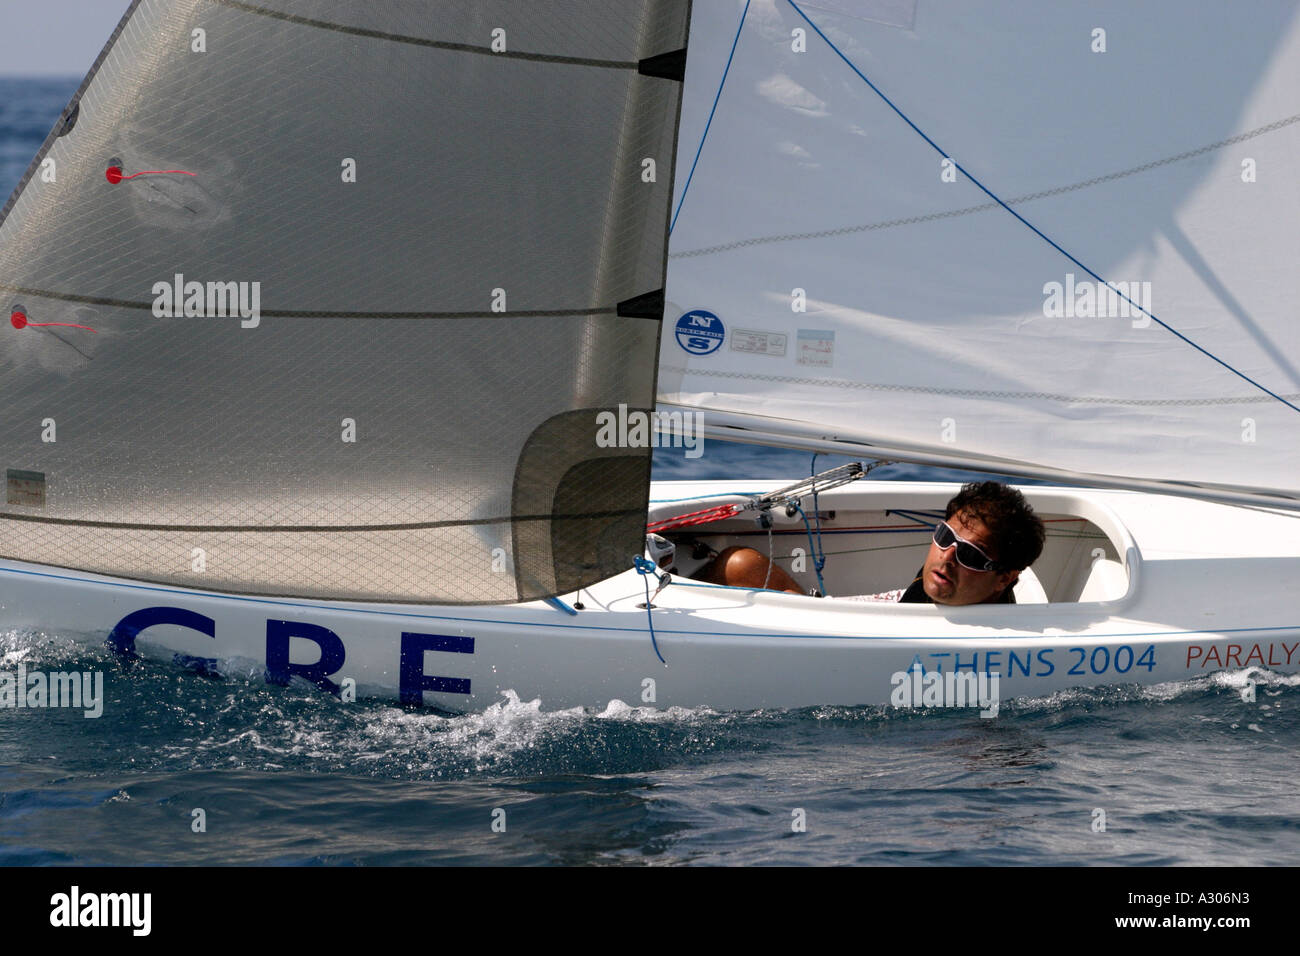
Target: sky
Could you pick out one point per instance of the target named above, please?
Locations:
(54, 37)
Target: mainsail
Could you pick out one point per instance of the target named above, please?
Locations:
(1056, 239)
(319, 298)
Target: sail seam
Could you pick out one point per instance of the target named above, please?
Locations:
(985, 207)
(284, 529)
(425, 42)
(977, 393)
(313, 314)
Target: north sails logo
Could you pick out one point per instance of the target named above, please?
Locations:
(74, 909)
(211, 299)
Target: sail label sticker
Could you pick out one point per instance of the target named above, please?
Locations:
(700, 332)
(816, 347)
(25, 488)
(758, 342)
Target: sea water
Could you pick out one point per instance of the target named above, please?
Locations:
(1183, 773)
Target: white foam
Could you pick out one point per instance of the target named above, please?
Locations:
(36, 647)
(1235, 680)
(1166, 691)
(428, 742)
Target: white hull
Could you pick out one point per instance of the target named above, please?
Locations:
(1186, 588)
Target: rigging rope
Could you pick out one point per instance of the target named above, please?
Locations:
(645, 567)
(771, 558)
(819, 553)
(819, 556)
(705, 516)
(717, 96)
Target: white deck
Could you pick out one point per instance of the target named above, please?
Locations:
(1201, 587)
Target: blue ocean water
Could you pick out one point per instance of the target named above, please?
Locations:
(1186, 773)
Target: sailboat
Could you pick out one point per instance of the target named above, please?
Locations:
(340, 336)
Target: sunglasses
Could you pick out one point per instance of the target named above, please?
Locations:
(968, 555)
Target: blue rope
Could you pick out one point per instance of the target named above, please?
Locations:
(645, 567)
(818, 561)
(817, 511)
(926, 518)
(560, 606)
(718, 96)
(820, 554)
(1026, 222)
(720, 494)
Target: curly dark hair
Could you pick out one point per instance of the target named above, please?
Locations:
(1012, 523)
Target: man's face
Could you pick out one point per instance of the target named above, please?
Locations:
(947, 582)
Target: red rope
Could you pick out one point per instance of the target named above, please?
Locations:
(114, 174)
(19, 320)
(717, 513)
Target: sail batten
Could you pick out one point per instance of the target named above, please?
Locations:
(150, 305)
(482, 50)
(988, 206)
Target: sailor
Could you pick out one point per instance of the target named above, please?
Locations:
(988, 536)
